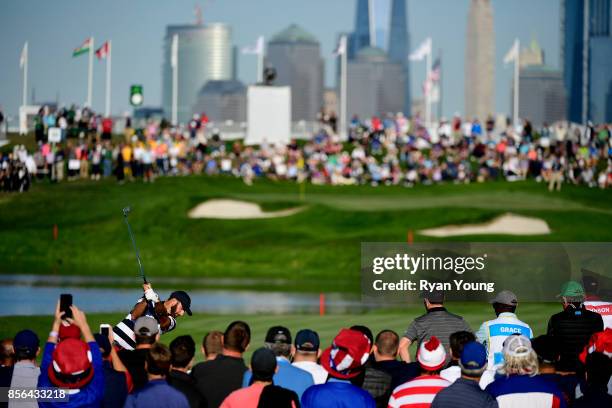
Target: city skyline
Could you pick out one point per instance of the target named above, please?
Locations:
(138, 54)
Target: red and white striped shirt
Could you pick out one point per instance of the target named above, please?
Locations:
(417, 393)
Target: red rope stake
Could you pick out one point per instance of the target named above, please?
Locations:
(321, 304)
(55, 232)
(410, 238)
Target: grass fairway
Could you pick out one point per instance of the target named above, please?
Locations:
(327, 326)
(317, 249)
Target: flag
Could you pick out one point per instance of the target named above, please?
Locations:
(341, 48)
(24, 55)
(258, 48)
(420, 53)
(174, 51)
(434, 75)
(513, 53)
(103, 51)
(84, 48)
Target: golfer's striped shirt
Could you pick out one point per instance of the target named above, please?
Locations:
(417, 393)
(124, 331)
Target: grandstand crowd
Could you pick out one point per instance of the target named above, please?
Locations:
(393, 150)
(501, 364)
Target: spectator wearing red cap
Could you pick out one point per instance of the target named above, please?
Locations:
(344, 360)
(600, 342)
(598, 372)
(74, 364)
(421, 391)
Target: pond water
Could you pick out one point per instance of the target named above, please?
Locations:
(37, 295)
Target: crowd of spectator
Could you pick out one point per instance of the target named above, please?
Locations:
(394, 150)
(503, 364)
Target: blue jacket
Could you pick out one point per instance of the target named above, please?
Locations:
(288, 376)
(159, 394)
(337, 394)
(89, 396)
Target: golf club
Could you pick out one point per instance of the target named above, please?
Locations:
(126, 212)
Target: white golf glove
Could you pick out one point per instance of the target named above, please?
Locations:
(151, 295)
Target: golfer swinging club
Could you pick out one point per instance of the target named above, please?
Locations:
(165, 312)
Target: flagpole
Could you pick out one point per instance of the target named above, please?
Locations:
(440, 67)
(108, 79)
(90, 73)
(516, 82)
(343, 89)
(427, 94)
(25, 75)
(174, 58)
(372, 23)
(260, 60)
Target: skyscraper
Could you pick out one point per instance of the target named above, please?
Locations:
(586, 55)
(204, 53)
(479, 61)
(296, 56)
(541, 95)
(375, 84)
(399, 45)
(360, 37)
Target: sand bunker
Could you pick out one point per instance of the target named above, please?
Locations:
(509, 224)
(236, 210)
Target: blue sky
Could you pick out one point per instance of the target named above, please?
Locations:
(137, 27)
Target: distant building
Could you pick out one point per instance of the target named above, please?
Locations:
(594, 54)
(541, 95)
(480, 61)
(600, 82)
(222, 101)
(360, 37)
(148, 112)
(399, 45)
(534, 55)
(375, 84)
(296, 56)
(204, 54)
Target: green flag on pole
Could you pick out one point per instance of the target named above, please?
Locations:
(84, 48)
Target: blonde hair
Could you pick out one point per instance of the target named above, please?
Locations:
(522, 364)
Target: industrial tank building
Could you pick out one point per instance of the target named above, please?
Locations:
(296, 56)
(479, 61)
(204, 54)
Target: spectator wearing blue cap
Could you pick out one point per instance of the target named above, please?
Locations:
(465, 391)
(306, 351)
(24, 373)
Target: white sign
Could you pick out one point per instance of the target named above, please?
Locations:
(268, 115)
(55, 135)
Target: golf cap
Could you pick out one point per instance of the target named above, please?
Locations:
(263, 364)
(505, 297)
(184, 298)
(517, 345)
(26, 340)
(146, 326)
(473, 359)
(307, 340)
(572, 289)
(278, 334)
(434, 296)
